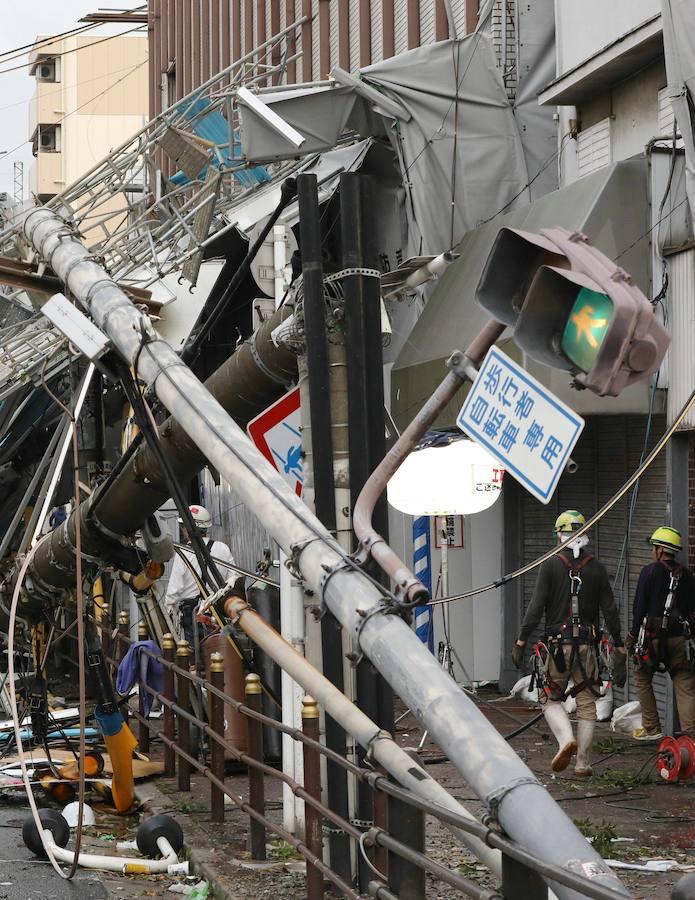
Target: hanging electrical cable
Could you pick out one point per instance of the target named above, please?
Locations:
(636, 475)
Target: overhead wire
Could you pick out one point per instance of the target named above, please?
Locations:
(15, 51)
(636, 475)
(82, 105)
(75, 49)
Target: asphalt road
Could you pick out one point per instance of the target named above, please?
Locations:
(22, 876)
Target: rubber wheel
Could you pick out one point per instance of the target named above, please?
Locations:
(156, 827)
(51, 819)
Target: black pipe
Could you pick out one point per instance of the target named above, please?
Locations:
(324, 485)
(366, 426)
(288, 189)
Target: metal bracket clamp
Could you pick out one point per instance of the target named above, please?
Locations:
(272, 376)
(355, 270)
(494, 800)
(380, 735)
(223, 593)
(461, 365)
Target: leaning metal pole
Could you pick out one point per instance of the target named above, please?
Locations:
(513, 795)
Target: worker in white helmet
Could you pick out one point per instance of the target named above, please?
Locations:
(183, 592)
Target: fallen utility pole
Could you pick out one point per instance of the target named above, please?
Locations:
(255, 375)
(511, 792)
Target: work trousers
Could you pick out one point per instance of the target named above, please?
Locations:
(586, 702)
(683, 687)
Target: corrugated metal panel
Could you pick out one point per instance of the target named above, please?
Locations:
(233, 523)
(354, 35)
(315, 59)
(594, 147)
(681, 312)
(401, 25)
(377, 25)
(335, 29)
(664, 114)
(427, 21)
(242, 28)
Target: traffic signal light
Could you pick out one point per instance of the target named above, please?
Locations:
(572, 308)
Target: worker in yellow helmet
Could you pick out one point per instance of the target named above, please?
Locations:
(663, 620)
(571, 592)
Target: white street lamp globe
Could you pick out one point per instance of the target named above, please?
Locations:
(460, 478)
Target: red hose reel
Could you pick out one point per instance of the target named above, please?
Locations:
(675, 759)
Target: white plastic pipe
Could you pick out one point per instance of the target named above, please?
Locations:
(123, 864)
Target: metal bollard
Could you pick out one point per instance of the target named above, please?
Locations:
(216, 716)
(312, 785)
(123, 629)
(121, 650)
(143, 730)
(254, 699)
(183, 693)
(407, 825)
(106, 626)
(519, 882)
(169, 654)
(381, 820)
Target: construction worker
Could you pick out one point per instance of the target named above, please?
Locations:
(572, 587)
(663, 620)
(183, 591)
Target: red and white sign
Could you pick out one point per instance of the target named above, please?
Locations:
(276, 432)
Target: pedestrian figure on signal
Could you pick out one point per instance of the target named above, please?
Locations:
(663, 622)
(571, 591)
(183, 591)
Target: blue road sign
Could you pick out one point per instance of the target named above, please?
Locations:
(521, 423)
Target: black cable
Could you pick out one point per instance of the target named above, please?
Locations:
(137, 401)
(74, 49)
(34, 45)
(205, 559)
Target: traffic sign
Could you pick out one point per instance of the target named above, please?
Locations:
(276, 432)
(522, 424)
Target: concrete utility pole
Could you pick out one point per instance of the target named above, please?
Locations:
(511, 792)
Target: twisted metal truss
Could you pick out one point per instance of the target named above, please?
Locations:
(143, 219)
(154, 204)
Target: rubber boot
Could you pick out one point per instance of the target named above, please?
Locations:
(585, 736)
(561, 727)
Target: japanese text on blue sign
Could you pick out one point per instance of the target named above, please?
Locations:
(521, 423)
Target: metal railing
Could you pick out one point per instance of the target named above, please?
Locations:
(399, 867)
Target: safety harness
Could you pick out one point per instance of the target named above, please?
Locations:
(649, 657)
(553, 645)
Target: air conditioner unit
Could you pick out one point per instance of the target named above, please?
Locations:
(47, 70)
(48, 139)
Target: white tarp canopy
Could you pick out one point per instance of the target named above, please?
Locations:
(465, 150)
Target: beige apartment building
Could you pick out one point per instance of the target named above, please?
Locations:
(91, 95)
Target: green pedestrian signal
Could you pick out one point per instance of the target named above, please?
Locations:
(588, 323)
(572, 308)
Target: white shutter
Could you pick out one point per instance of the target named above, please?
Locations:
(594, 147)
(334, 8)
(315, 59)
(354, 35)
(664, 115)
(427, 21)
(377, 37)
(400, 26)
